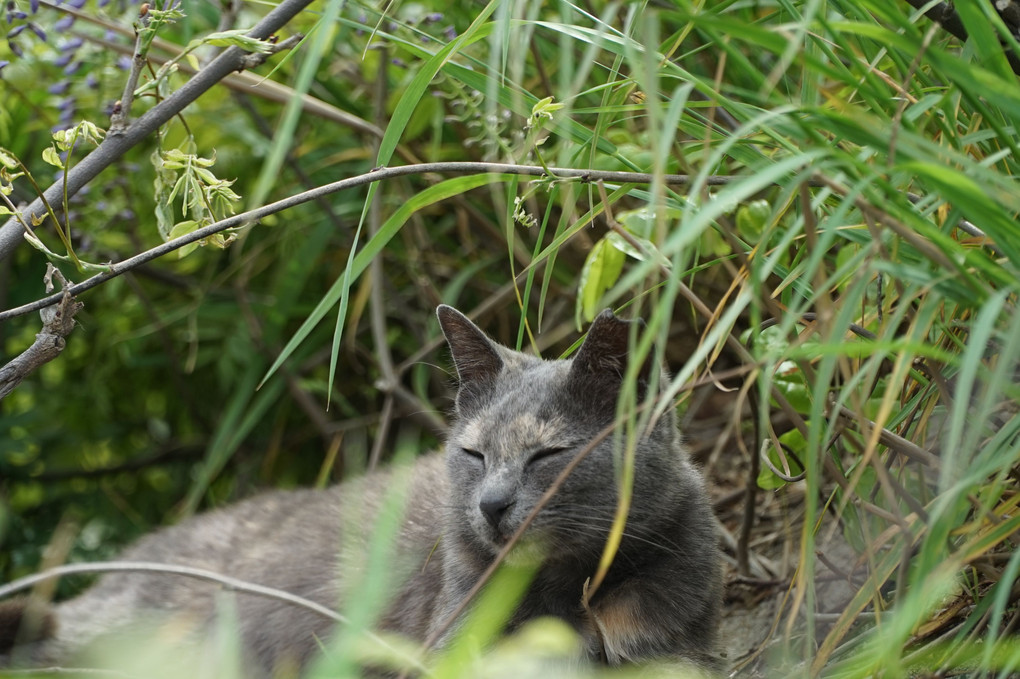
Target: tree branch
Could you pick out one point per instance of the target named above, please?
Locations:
(351, 182)
(57, 324)
(115, 145)
(200, 574)
(944, 15)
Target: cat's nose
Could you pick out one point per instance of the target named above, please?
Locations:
(494, 507)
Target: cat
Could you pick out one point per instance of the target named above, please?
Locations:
(518, 422)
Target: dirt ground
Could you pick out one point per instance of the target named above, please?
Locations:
(757, 632)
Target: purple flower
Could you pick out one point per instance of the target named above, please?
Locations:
(398, 62)
(91, 81)
(433, 17)
(450, 32)
(124, 62)
(4, 64)
(16, 31)
(63, 23)
(66, 104)
(77, 4)
(34, 5)
(15, 48)
(59, 87)
(38, 31)
(63, 60)
(14, 14)
(71, 69)
(71, 45)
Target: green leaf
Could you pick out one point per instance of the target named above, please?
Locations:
(51, 156)
(640, 249)
(8, 160)
(600, 272)
(641, 222)
(183, 229)
(235, 38)
(752, 218)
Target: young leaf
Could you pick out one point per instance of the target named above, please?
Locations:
(50, 155)
(601, 270)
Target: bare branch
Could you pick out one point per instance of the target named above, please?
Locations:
(334, 187)
(893, 441)
(228, 582)
(57, 325)
(122, 109)
(944, 14)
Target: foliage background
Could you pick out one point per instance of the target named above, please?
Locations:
(850, 182)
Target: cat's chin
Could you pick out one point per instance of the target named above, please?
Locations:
(527, 554)
(528, 551)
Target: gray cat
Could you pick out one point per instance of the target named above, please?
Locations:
(519, 421)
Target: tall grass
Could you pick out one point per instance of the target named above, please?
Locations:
(846, 232)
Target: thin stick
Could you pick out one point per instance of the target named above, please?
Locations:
(379, 174)
(199, 574)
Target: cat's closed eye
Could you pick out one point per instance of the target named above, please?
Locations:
(474, 453)
(545, 453)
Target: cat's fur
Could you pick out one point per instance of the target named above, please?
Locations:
(519, 421)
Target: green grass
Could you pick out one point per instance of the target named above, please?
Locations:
(844, 158)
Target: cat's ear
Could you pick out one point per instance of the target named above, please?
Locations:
(605, 352)
(474, 355)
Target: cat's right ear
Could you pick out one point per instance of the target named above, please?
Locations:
(475, 356)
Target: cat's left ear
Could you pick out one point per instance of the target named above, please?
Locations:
(475, 356)
(606, 350)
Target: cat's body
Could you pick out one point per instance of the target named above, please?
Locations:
(520, 420)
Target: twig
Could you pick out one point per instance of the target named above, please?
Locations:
(243, 82)
(944, 14)
(781, 452)
(753, 468)
(199, 574)
(168, 454)
(122, 109)
(114, 146)
(377, 295)
(49, 342)
(334, 187)
(894, 442)
(967, 227)
(73, 671)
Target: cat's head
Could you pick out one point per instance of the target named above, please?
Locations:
(521, 420)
